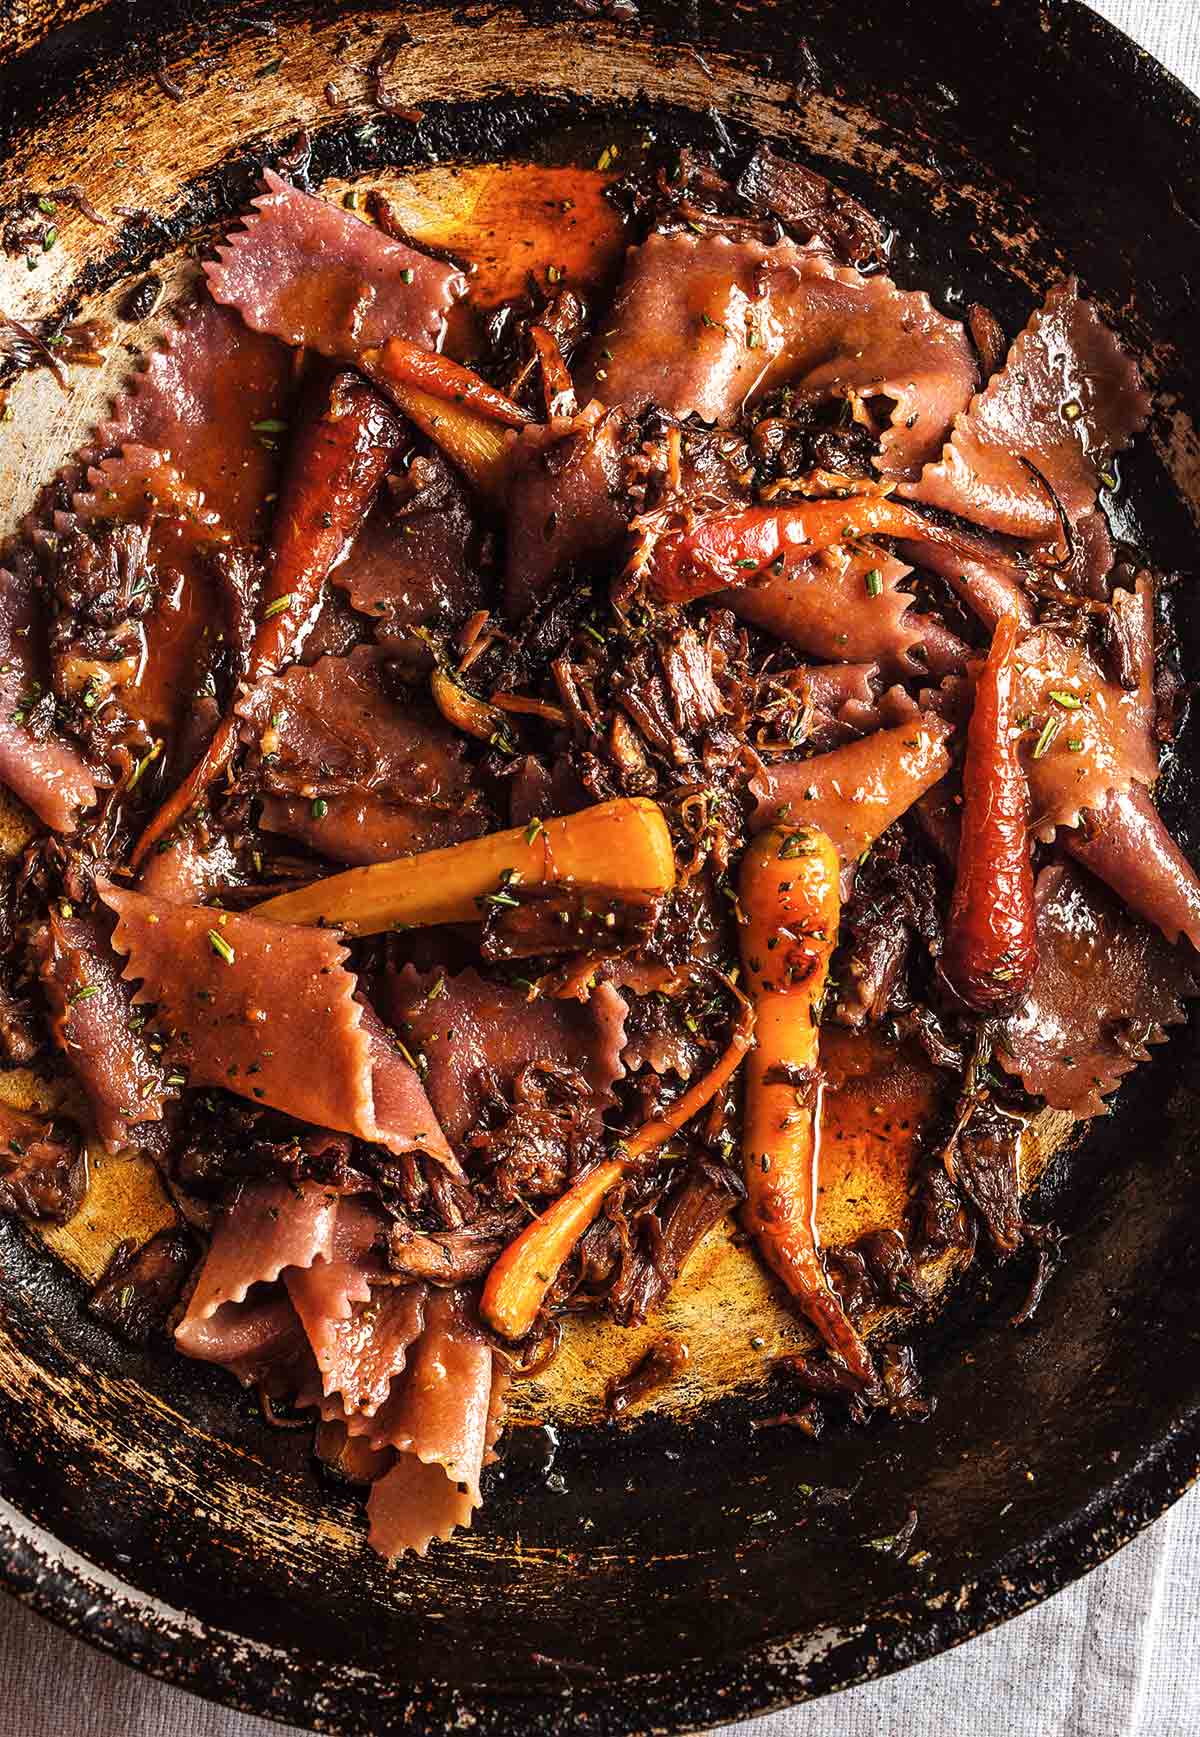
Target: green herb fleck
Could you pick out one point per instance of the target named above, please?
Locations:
(1050, 730)
(502, 896)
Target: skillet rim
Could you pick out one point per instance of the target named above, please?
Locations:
(167, 1644)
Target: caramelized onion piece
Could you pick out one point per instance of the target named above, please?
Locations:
(462, 709)
(788, 894)
(622, 845)
(991, 937)
(477, 445)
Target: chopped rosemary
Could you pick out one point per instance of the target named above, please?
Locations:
(221, 947)
(1050, 730)
(502, 896)
(796, 844)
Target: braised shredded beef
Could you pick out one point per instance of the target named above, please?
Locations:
(140, 1286)
(43, 1169)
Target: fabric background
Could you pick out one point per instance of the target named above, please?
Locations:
(1115, 1655)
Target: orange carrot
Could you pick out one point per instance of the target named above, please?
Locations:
(735, 548)
(788, 894)
(516, 1286)
(623, 845)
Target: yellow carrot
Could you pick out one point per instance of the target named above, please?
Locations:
(517, 1284)
(623, 846)
(790, 903)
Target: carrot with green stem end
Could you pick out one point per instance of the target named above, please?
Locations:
(516, 1286)
(461, 414)
(790, 903)
(401, 363)
(337, 461)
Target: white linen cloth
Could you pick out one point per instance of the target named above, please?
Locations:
(1115, 1655)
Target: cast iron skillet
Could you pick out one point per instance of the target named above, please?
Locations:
(674, 1576)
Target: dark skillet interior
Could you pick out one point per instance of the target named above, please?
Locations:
(681, 1576)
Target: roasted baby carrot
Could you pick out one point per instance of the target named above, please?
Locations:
(337, 461)
(516, 1287)
(729, 549)
(790, 904)
(991, 936)
(401, 363)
